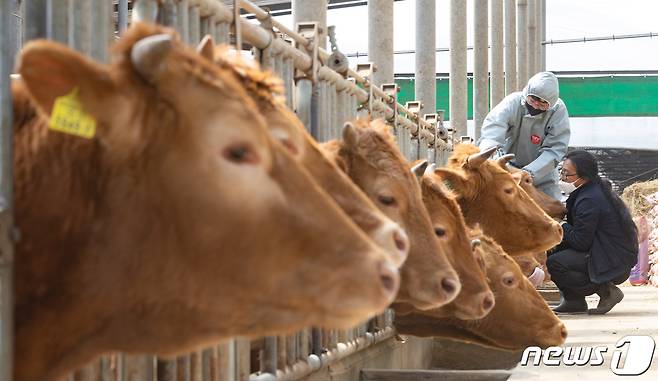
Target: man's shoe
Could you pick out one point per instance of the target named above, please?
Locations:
(571, 307)
(613, 296)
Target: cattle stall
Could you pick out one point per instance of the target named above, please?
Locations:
(319, 87)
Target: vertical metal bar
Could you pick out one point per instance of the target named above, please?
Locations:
(223, 33)
(166, 370)
(58, 20)
(291, 348)
(183, 368)
(458, 79)
(81, 31)
(481, 64)
(380, 40)
(6, 198)
(532, 37)
(35, 19)
(122, 15)
(90, 372)
(305, 90)
(322, 111)
(243, 359)
(522, 40)
(542, 60)
(196, 364)
(497, 74)
(195, 27)
(103, 29)
(426, 55)
(145, 10)
(168, 14)
(270, 355)
(207, 358)
(289, 81)
(510, 47)
(204, 27)
(184, 20)
(226, 364)
(282, 352)
(138, 368)
(316, 341)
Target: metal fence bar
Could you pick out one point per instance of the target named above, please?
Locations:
(35, 19)
(81, 26)
(145, 10)
(57, 20)
(168, 14)
(138, 368)
(122, 14)
(6, 197)
(226, 361)
(101, 29)
(196, 364)
(207, 364)
(184, 20)
(270, 355)
(166, 370)
(243, 359)
(183, 368)
(223, 32)
(194, 24)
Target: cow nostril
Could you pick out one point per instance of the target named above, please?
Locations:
(400, 241)
(488, 302)
(389, 278)
(563, 332)
(449, 285)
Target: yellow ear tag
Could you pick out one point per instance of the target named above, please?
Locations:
(69, 116)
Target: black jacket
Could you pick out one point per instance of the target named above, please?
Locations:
(593, 226)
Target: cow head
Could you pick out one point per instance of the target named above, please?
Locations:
(488, 194)
(475, 299)
(180, 223)
(285, 127)
(369, 156)
(519, 319)
(554, 208)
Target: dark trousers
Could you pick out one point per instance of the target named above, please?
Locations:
(568, 269)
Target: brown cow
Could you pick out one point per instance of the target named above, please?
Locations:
(475, 300)
(285, 126)
(491, 197)
(554, 208)
(370, 157)
(519, 319)
(180, 223)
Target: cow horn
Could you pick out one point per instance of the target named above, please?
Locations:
(206, 47)
(503, 160)
(148, 53)
(430, 169)
(476, 159)
(419, 169)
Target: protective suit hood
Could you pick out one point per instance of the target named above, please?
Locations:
(543, 85)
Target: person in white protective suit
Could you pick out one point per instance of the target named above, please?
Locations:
(532, 124)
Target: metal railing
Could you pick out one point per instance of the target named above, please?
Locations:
(322, 95)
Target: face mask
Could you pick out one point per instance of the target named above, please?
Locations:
(566, 187)
(533, 111)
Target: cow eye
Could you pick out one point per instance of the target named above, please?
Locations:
(509, 190)
(440, 232)
(241, 153)
(387, 200)
(509, 280)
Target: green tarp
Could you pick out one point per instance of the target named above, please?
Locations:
(585, 97)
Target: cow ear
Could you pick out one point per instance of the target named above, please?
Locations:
(206, 47)
(51, 70)
(451, 179)
(350, 135)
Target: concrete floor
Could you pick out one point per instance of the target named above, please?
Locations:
(637, 314)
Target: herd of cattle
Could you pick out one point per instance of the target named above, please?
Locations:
(202, 209)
